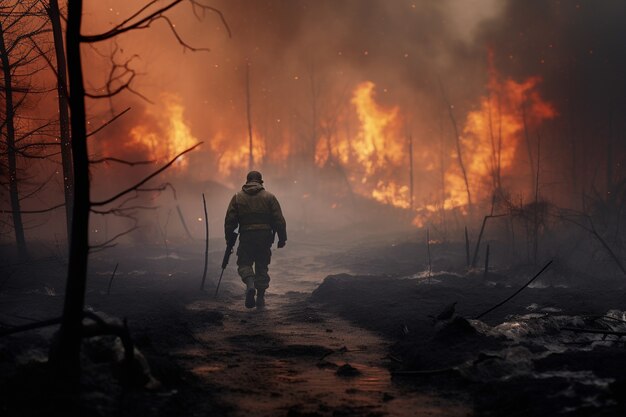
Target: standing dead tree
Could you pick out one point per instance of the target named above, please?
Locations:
(54, 14)
(18, 23)
(457, 138)
(206, 242)
(249, 118)
(480, 236)
(67, 355)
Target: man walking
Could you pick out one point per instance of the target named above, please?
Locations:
(258, 215)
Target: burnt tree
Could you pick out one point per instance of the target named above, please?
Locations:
(66, 355)
(19, 23)
(18, 225)
(54, 14)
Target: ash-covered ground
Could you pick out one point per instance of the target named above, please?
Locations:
(351, 329)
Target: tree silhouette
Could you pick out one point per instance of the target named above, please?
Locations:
(66, 355)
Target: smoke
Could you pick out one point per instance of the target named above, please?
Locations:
(306, 58)
(577, 48)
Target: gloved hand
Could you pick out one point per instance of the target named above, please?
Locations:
(281, 243)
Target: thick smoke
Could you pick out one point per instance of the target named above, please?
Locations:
(306, 57)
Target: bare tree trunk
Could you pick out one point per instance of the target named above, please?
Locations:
(457, 139)
(18, 225)
(251, 154)
(67, 357)
(411, 179)
(442, 173)
(536, 214)
(494, 157)
(64, 119)
(570, 135)
(314, 116)
(609, 155)
(529, 148)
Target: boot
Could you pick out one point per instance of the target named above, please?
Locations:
(250, 293)
(260, 300)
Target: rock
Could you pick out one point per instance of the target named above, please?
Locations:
(347, 370)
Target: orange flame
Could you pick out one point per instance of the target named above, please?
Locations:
(376, 156)
(376, 153)
(492, 135)
(372, 146)
(169, 136)
(235, 158)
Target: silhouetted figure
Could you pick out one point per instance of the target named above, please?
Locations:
(258, 215)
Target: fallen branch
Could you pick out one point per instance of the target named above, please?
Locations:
(30, 326)
(515, 293)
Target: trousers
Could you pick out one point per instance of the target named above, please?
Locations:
(254, 254)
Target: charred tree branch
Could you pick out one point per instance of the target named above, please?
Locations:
(143, 181)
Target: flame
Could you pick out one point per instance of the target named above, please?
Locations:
(377, 153)
(375, 156)
(168, 136)
(231, 159)
(491, 136)
(372, 146)
(392, 193)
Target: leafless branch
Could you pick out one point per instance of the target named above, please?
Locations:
(114, 118)
(146, 21)
(117, 236)
(143, 181)
(120, 161)
(178, 38)
(34, 211)
(39, 188)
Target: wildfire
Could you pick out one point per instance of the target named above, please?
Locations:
(377, 154)
(168, 136)
(235, 158)
(392, 193)
(492, 135)
(372, 146)
(376, 157)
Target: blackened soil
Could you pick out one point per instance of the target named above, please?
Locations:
(430, 353)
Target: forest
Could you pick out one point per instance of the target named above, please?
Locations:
(452, 175)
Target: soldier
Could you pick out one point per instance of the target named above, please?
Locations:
(259, 217)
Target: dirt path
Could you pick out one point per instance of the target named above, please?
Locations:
(284, 361)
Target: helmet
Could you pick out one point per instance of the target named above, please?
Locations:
(254, 176)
